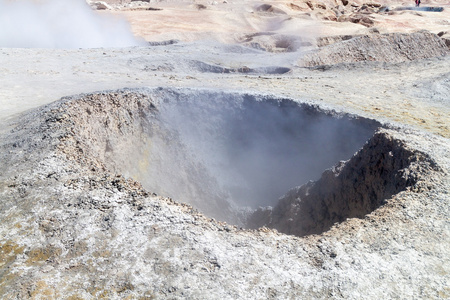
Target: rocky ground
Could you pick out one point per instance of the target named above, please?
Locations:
(72, 227)
(79, 220)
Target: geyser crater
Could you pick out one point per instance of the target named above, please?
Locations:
(231, 154)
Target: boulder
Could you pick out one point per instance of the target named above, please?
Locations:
(373, 4)
(367, 21)
(100, 5)
(343, 18)
(298, 6)
(329, 15)
(362, 19)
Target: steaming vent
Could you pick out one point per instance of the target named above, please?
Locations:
(244, 158)
(64, 24)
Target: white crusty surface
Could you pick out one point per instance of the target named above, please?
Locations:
(74, 226)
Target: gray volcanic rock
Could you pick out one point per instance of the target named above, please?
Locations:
(72, 227)
(390, 48)
(382, 168)
(100, 5)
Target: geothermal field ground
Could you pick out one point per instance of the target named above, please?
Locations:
(224, 149)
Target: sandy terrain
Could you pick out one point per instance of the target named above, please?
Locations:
(33, 77)
(86, 183)
(413, 93)
(231, 19)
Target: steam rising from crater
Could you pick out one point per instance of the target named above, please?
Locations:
(226, 153)
(60, 24)
(255, 148)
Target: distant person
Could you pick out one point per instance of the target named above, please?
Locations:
(417, 3)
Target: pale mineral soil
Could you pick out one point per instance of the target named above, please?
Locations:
(60, 242)
(228, 20)
(413, 93)
(397, 93)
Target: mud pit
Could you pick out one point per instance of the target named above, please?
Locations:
(78, 224)
(228, 154)
(71, 208)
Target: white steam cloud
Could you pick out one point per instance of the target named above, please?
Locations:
(60, 24)
(257, 148)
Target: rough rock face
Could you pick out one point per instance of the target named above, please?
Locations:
(129, 139)
(178, 147)
(73, 228)
(392, 48)
(384, 167)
